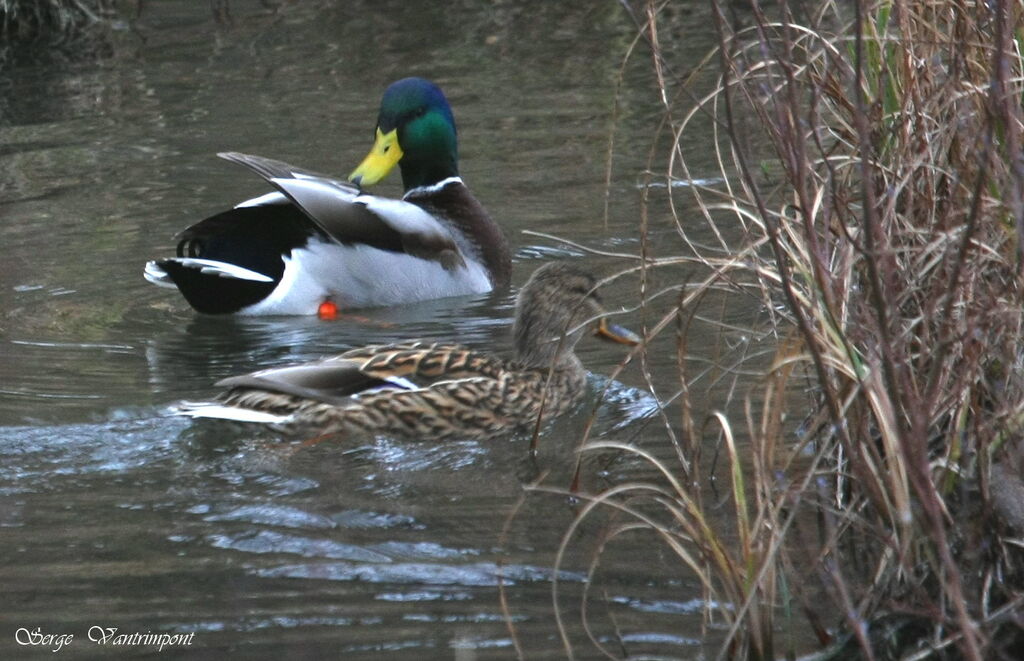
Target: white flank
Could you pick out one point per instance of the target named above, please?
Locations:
(222, 412)
(361, 276)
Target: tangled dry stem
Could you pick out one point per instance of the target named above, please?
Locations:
(871, 156)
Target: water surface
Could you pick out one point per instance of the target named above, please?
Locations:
(115, 513)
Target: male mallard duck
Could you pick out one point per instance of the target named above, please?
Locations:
(436, 391)
(321, 241)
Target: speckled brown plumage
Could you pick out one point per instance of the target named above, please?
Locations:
(436, 391)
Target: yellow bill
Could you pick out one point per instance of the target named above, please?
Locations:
(383, 157)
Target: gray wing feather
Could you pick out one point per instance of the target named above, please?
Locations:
(335, 207)
(331, 381)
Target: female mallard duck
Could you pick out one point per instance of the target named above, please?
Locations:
(436, 391)
(319, 241)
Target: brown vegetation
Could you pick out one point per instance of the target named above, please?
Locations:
(871, 153)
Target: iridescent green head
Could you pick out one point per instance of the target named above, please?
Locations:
(416, 131)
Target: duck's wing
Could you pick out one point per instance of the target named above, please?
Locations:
(331, 381)
(269, 168)
(425, 363)
(342, 212)
(470, 408)
(339, 379)
(274, 396)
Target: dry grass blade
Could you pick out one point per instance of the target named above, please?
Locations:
(870, 200)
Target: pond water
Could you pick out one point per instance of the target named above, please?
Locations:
(115, 513)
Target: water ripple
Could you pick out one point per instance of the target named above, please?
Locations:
(113, 446)
(288, 517)
(481, 574)
(266, 541)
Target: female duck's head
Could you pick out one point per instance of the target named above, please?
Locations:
(416, 131)
(554, 308)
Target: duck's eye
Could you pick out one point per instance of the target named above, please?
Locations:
(387, 148)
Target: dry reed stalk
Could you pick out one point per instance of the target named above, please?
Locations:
(887, 257)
